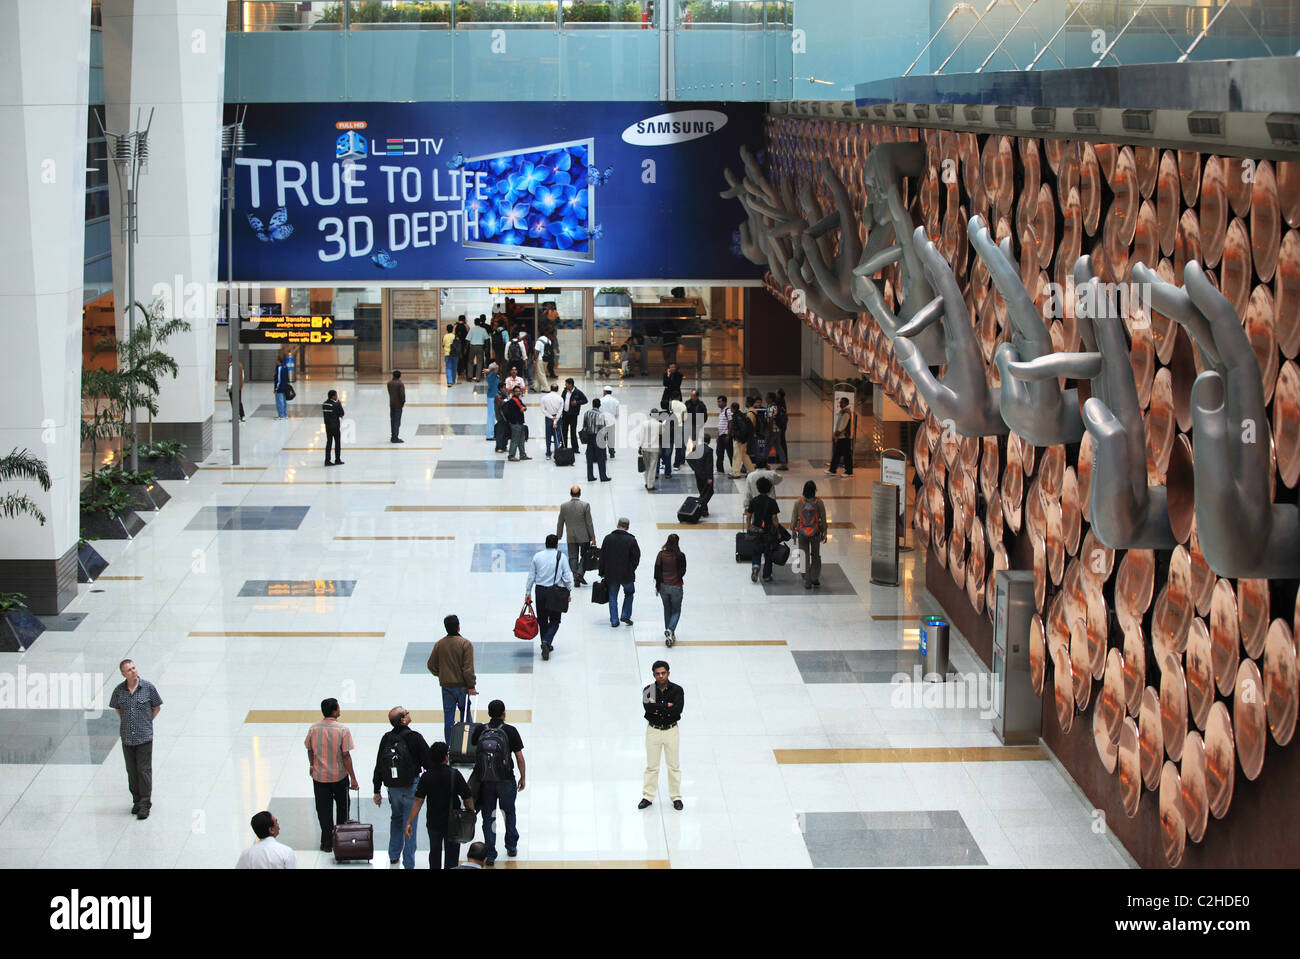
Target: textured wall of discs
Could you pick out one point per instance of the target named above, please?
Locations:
(1184, 677)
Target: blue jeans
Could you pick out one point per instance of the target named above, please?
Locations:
(453, 698)
(492, 418)
(763, 554)
(400, 800)
(503, 794)
(666, 461)
(451, 370)
(548, 624)
(554, 436)
(443, 853)
(628, 590)
(281, 406)
(672, 600)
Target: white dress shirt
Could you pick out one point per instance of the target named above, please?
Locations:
(552, 405)
(268, 853)
(609, 406)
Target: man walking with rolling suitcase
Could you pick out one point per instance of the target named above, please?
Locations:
(452, 664)
(329, 752)
(662, 702)
(497, 743)
(403, 753)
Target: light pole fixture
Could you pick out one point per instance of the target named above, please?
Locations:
(233, 140)
(129, 153)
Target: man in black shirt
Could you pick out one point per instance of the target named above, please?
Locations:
(496, 771)
(437, 785)
(672, 386)
(663, 703)
(701, 461)
(403, 754)
(332, 410)
(513, 412)
(763, 521)
(574, 400)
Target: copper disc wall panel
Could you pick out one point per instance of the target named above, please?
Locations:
(1286, 295)
(1187, 243)
(1109, 711)
(1037, 653)
(1163, 328)
(1173, 707)
(1249, 718)
(1180, 489)
(1040, 570)
(975, 568)
(1160, 423)
(1063, 689)
(1098, 628)
(1202, 576)
(1252, 614)
(1224, 636)
(1035, 519)
(1287, 174)
(1168, 201)
(1098, 560)
(1043, 225)
(1239, 176)
(1286, 423)
(1107, 751)
(1220, 760)
(1182, 375)
(1055, 539)
(1134, 585)
(1281, 682)
(1072, 593)
(971, 175)
(1071, 514)
(1151, 747)
(1005, 164)
(1189, 175)
(1142, 357)
(1071, 237)
(1196, 805)
(1080, 668)
(1148, 162)
(1259, 331)
(1129, 768)
(1214, 211)
(1199, 672)
(1084, 472)
(1236, 266)
(1090, 188)
(1146, 236)
(1265, 221)
(1013, 491)
(1135, 666)
(1173, 827)
(993, 520)
(989, 465)
(1052, 149)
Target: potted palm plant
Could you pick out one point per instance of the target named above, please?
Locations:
(142, 356)
(18, 627)
(105, 504)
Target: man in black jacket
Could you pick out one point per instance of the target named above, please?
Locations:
(696, 415)
(332, 410)
(403, 753)
(619, 555)
(663, 702)
(513, 412)
(574, 400)
(701, 460)
(672, 386)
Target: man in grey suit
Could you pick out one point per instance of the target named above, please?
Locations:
(577, 529)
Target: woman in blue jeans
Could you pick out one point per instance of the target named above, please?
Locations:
(670, 573)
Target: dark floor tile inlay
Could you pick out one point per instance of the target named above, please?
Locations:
(489, 658)
(60, 736)
(298, 587)
(937, 837)
(228, 518)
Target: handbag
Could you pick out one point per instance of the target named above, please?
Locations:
(557, 596)
(289, 392)
(600, 592)
(526, 624)
(460, 822)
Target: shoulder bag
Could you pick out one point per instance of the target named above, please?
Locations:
(556, 597)
(460, 821)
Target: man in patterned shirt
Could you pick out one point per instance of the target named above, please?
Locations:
(137, 703)
(329, 750)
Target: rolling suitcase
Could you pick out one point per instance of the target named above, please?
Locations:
(744, 548)
(462, 752)
(354, 841)
(691, 510)
(563, 456)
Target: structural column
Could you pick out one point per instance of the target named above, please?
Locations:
(169, 56)
(44, 86)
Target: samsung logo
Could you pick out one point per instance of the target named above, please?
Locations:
(679, 127)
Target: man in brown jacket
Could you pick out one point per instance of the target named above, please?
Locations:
(396, 400)
(452, 662)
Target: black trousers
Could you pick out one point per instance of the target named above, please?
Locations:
(332, 437)
(394, 420)
(569, 427)
(722, 449)
(595, 460)
(704, 487)
(328, 794)
(443, 853)
(139, 772)
(842, 453)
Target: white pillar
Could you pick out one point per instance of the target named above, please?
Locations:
(169, 56)
(44, 85)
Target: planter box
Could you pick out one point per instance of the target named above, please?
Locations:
(613, 299)
(169, 468)
(99, 526)
(89, 564)
(18, 630)
(148, 498)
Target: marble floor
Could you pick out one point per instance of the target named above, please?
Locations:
(263, 588)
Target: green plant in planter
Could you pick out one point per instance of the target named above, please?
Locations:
(161, 449)
(141, 358)
(119, 475)
(110, 500)
(20, 464)
(11, 601)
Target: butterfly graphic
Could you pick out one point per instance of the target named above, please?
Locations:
(598, 178)
(456, 162)
(278, 229)
(384, 261)
(595, 232)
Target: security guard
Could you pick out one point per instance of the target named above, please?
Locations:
(332, 410)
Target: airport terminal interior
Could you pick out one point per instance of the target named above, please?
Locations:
(1009, 292)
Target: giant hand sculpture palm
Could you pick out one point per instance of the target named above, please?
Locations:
(889, 229)
(1242, 533)
(833, 276)
(963, 401)
(1038, 410)
(1126, 512)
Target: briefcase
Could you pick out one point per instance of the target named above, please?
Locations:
(600, 592)
(590, 558)
(354, 841)
(463, 752)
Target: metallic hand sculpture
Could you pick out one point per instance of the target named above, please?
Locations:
(963, 401)
(1038, 410)
(834, 279)
(889, 227)
(1126, 512)
(1242, 533)
(771, 216)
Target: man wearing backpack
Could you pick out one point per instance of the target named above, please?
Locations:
(517, 354)
(742, 431)
(543, 351)
(403, 753)
(808, 520)
(494, 769)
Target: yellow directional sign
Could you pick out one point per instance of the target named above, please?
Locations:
(290, 330)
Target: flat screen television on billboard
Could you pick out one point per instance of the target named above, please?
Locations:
(535, 205)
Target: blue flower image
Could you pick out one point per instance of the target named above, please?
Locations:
(384, 260)
(539, 199)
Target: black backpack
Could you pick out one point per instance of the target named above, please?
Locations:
(515, 352)
(742, 429)
(548, 351)
(782, 418)
(493, 761)
(760, 423)
(395, 756)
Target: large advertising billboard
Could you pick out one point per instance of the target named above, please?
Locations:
(416, 192)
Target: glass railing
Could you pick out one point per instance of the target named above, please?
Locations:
(734, 50)
(243, 16)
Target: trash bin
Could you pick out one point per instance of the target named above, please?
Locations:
(934, 647)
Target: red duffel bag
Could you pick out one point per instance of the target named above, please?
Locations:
(526, 624)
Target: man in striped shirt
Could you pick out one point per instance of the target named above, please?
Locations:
(329, 750)
(724, 432)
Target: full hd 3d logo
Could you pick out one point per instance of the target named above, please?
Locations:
(349, 145)
(678, 127)
(78, 913)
